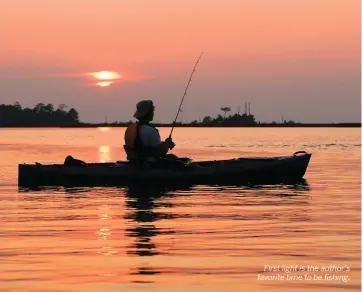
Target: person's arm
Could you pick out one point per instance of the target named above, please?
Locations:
(164, 147)
(154, 140)
(151, 138)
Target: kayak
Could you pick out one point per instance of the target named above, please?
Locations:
(281, 169)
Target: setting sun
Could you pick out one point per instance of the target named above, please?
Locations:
(106, 75)
(104, 83)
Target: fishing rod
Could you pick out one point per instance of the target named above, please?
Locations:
(179, 109)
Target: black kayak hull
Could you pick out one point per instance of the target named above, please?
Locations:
(283, 169)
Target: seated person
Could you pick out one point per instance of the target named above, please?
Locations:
(143, 141)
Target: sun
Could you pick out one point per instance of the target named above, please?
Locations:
(106, 77)
(104, 83)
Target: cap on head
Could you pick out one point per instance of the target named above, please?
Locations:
(143, 108)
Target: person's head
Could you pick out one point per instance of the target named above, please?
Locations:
(145, 111)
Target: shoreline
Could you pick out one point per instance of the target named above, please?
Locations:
(83, 125)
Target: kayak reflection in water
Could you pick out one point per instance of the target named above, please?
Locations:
(142, 140)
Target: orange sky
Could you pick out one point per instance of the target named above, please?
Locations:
(299, 58)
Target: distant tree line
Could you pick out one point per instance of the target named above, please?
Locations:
(40, 115)
(45, 115)
(234, 120)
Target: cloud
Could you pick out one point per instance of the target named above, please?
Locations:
(29, 66)
(88, 79)
(41, 76)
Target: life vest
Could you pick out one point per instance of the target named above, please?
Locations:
(133, 143)
(130, 135)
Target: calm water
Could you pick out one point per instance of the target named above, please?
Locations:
(199, 239)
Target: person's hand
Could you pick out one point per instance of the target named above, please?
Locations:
(170, 143)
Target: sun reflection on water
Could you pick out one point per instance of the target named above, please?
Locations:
(104, 129)
(104, 233)
(104, 153)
